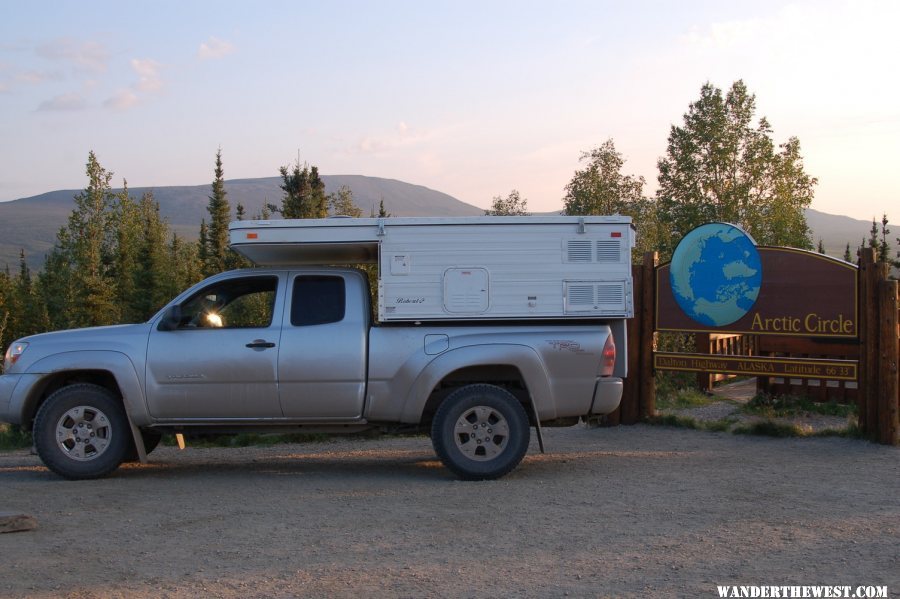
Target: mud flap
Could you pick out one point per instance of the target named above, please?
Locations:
(138, 438)
(537, 426)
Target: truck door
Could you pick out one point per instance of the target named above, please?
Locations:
(322, 359)
(221, 360)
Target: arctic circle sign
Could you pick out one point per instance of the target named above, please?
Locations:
(719, 281)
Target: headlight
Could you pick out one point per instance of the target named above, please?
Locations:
(12, 354)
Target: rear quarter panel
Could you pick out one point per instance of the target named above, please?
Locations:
(560, 365)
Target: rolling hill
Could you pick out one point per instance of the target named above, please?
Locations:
(32, 223)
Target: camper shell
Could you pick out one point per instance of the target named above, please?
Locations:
(465, 268)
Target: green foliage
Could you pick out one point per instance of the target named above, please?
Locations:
(884, 248)
(13, 437)
(775, 406)
(216, 254)
(600, 188)
(770, 428)
(678, 421)
(680, 398)
(340, 203)
(304, 193)
(848, 257)
(511, 205)
(720, 167)
(247, 439)
(112, 263)
(382, 213)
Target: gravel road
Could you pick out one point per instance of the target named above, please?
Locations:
(629, 511)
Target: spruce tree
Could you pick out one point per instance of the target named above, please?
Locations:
(341, 203)
(304, 192)
(32, 313)
(216, 250)
(88, 246)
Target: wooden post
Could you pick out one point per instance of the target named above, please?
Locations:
(868, 369)
(703, 345)
(628, 409)
(648, 336)
(888, 429)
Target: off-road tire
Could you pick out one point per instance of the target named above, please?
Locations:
(64, 417)
(480, 432)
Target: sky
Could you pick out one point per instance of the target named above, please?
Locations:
(470, 98)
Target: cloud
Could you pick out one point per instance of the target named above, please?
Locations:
(36, 77)
(403, 135)
(148, 74)
(122, 100)
(85, 56)
(149, 81)
(214, 48)
(72, 101)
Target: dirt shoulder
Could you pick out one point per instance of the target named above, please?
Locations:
(629, 511)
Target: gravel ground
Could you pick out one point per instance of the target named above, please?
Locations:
(629, 511)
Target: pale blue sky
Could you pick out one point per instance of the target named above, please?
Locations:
(470, 98)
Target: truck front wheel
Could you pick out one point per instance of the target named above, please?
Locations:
(81, 432)
(480, 432)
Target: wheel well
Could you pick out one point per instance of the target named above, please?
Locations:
(502, 375)
(56, 381)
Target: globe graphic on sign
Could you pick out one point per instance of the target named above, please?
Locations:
(716, 274)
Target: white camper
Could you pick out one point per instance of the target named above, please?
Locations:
(466, 268)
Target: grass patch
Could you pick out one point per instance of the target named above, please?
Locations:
(245, 439)
(675, 420)
(778, 406)
(678, 399)
(13, 437)
(770, 428)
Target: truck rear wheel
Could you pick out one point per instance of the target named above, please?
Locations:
(81, 432)
(480, 432)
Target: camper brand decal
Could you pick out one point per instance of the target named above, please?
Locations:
(410, 300)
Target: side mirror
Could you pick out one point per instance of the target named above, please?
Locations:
(171, 320)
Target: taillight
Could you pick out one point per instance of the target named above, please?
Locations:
(608, 360)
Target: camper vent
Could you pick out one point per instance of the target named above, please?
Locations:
(581, 295)
(609, 251)
(579, 250)
(604, 251)
(606, 297)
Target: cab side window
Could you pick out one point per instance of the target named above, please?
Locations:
(232, 304)
(317, 300)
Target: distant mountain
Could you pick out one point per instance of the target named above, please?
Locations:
(32, 223)
(837, 231)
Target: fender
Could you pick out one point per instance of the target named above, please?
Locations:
(116, 363)
(524, 358)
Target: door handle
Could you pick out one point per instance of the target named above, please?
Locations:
(260, 344)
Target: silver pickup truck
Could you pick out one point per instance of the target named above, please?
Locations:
(295, 350)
